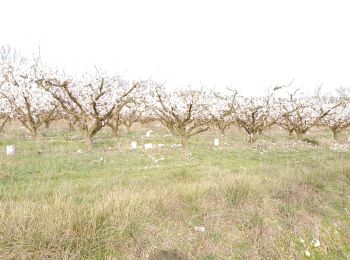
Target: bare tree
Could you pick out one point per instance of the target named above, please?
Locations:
(130, 112)
(30, 104)
(286, 107)
(221, 109)
(301, 113)
(183, 112)
(5, 113)
(338, 119)
(70, 120)
(90, 100)
(114, 122)
(56, 115)
(254, 115)
(4, 119)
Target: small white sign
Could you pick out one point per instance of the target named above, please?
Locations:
(216, 142)
(148, 134)
(148, 146)
(133, 145)
(10, 150)
(199, 229)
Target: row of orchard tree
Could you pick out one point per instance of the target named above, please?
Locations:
(36, 95)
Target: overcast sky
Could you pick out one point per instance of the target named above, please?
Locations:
(244, 44)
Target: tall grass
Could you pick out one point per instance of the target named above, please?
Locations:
(268, 201)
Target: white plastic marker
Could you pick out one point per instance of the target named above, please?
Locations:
(199, 229)
(133, 145)
(216, 142)
(147, 146)
(148, 134)
(10, 150)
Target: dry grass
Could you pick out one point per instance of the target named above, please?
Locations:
(267, 201)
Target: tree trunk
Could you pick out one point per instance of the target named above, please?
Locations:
(114, 131)
(33, 133)
(184, 140)
(252, 138)
(336, 134)
(128, 128)
(222, 131)
(3, 123)
(47, 124)
(88, 141)
(70, 127)
(300, 135)
(70, 124)
(290, 131)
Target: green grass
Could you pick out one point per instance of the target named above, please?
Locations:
(255, 201)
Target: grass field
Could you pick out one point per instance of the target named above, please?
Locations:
(270, 200)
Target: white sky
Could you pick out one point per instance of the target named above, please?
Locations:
(244, 44)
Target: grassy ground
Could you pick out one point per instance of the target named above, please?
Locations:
(266, 201)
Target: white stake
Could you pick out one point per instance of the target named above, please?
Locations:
(216, 142)
(133, 145)
(148, 146)
(148, 134)
(10, 150)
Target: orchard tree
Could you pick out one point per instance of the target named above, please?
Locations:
(56, 115)
(70, 120)
(130, 111)
(4, 119)
(286, 108)
(126, 115)
(300, 113)
(29, 103)
(114, 122)
(91, 100)
(221, 108)
(182, 111)
(148, 114)
(5, 110)
(5, 113)
(254, 114)
(338, 119)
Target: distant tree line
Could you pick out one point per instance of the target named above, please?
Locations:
(36, 95)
